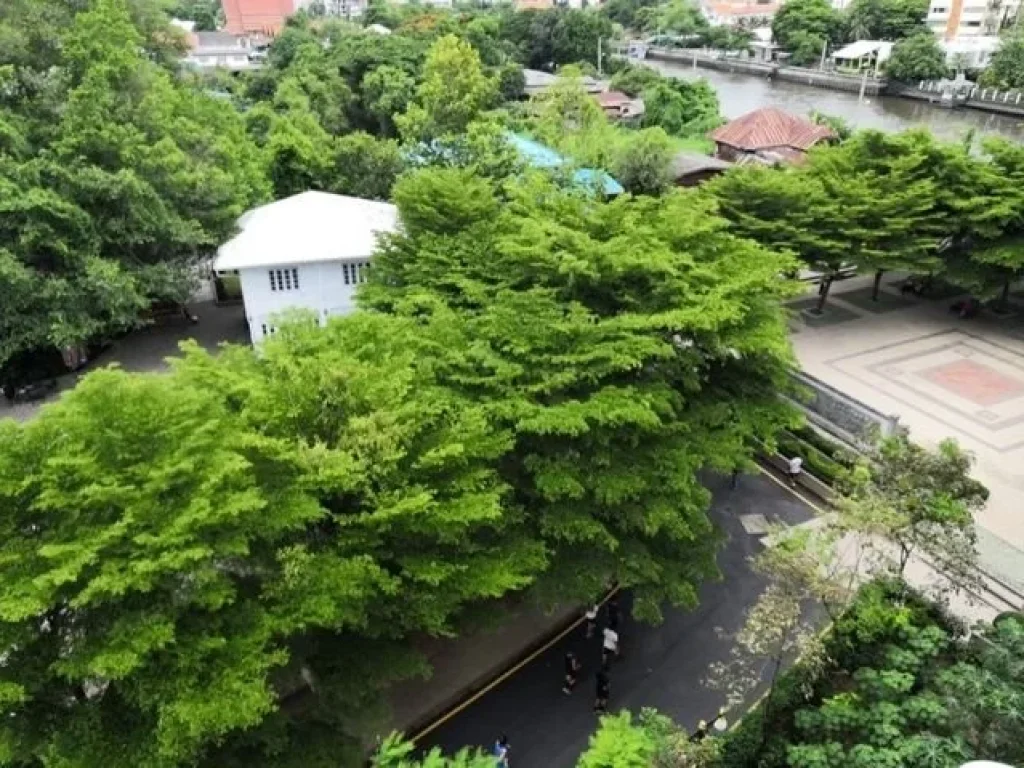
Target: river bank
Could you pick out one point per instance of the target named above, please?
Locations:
(740, 93)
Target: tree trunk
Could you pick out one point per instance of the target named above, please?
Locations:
(1004, 299)
(878, 284)
(826, 285)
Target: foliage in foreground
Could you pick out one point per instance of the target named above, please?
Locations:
(222, 565)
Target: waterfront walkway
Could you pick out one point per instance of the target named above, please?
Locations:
(943, 377)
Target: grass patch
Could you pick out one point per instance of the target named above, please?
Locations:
(693, 144)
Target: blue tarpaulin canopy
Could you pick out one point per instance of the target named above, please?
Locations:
(541, 156)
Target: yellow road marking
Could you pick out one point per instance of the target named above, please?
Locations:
(461, 707)
(507, 673)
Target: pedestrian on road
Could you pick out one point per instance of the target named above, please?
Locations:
(572, 671)
(591, 617)
(501, 751)
(734, 479)
(610, 646)
(603, 690)
(613, 612)
(794, 469)
(701, 733)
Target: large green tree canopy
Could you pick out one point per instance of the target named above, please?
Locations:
(115, 177)
(625, 345)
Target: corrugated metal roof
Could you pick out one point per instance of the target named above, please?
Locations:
(771, 127)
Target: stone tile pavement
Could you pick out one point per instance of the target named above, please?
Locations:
(943, 377)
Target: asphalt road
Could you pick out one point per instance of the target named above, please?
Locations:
(662, 666)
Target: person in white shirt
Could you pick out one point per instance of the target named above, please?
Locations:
(795, 467)
(610, 646)
(591, 616)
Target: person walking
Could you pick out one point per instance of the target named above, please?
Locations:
(734, 479)
(603, 691)
(591, 618)
(500, 751)
(794, 469)
(613, 612)
(572, 670)
(609, 646)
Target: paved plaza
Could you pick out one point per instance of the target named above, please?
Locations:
(943, 377)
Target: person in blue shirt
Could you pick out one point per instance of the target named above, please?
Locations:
(501, 751)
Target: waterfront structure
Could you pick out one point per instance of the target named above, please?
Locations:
(955, 19)
(970, 52)
(768, 135)
(309, 251)
(863, 54)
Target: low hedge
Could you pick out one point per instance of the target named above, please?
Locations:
(815, 462)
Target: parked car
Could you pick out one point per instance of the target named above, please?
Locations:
(29, 393)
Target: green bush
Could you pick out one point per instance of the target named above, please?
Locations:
(834, 450)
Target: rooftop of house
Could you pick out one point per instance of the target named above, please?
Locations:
(540, 156)
(538, 80)
(306, 228)
(612, 98)
(685, 163)
(770, 128)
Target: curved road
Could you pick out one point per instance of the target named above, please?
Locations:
(661, 667)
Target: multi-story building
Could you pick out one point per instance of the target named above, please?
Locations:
(952, 19)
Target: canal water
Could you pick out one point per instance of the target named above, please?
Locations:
(740, 94)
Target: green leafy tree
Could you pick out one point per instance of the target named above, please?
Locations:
(893, 20)
(1006, 70)
(395, 753)
(800, 22)
(205, 13)
(550, 38)
(681, 17)
(365, 166)
(650, 740)
(453, 91)
(922, 501)
(643, 164)
(549, 284)
(387, 91)
(917, 58)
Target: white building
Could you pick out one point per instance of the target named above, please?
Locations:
(970, 52)
(952, 19)
(309, 251)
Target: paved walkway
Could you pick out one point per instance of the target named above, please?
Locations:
(148, 348)
(663, 666)
(943, 377)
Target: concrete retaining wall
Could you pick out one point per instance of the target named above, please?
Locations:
(812, 77)
(834, 411)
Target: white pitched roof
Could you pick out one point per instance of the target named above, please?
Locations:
(305, 228)
(865, 48)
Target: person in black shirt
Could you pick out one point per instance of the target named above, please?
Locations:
(603, 691)
(572, 669)
(613, 612)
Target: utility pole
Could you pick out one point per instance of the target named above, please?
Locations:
(864, 83)
(824, 50)
(599, 58)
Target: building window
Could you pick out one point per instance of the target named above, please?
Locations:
(973, 24)
(284, 279)
(353, 274)
(268, 330)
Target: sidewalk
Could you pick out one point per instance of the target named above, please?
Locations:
(944, 377)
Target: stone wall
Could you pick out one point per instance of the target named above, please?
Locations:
(848, 418)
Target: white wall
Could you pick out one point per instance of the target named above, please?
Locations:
(326, 288)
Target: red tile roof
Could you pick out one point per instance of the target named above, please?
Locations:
(267, 16)
(768, 128)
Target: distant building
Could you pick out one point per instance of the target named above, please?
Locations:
(309, 251)
(970, 52)
(618, 106)
(730, 13)
(955, 19)
(210, 50)
(265, 16)
(692, 168)
(768, 135)
(536, 81)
